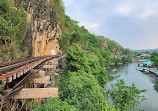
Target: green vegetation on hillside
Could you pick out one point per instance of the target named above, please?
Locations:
(13, 25)
(80, 84)
(56, 104)
(116, 60)
(88, 56)
(126, 98)
(57, 12)
(126, 59)
(154, 58)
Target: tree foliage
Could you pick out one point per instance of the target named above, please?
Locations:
(13, 25)
(153, 55)
(56, 104)
(125, 97)
(83, 91)
(1, 88)
(57, 10)
(126, 59)
(116, 60)
(79, 85)
(154, 58)
(77, 59)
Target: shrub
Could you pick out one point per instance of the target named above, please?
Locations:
(83, 91)
(13, 26)
(125, 97)
(56, 104)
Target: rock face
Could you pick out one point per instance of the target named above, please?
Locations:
(42, 36)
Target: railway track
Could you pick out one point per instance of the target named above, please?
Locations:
(12, 70)
(7, 66)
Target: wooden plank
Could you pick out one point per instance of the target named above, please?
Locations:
(18, 74)
(21, 72)
(29, 93)
(40, 73)
(41, 80)
(14, 76)
(48, 66)
(9, 79)
(4, 81)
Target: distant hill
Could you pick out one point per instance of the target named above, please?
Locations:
(144, 50)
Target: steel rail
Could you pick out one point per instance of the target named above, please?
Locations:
(18, 70)
(19, 85)
(10, 94)
(17, 65)
(4, 64)
(13, 65)
(4, 76)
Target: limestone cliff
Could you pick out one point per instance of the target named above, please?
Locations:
(42, 36)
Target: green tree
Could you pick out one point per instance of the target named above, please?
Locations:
(126, 59)
(127, 51)
(154, 58)
(57, 11)
(83, 91)
(56, 104)
(76, 35)
(76, 59)
(153, 55)
(13, 26)
(90, 41)
(79, 85)
(125, 97)
(1, 88)
(105, 57)
(116, 60)
(96, 69)
(147, 52)
(84, 30)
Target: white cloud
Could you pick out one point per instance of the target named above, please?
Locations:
(91, 25)
(95, 25)
(146, 13)
(141, 9)
(124, 9)
(118, 19)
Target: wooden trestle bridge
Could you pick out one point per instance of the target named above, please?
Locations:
(17, 75)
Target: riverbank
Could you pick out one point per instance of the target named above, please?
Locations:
(138, 60)
(129, 73)
(112, 64)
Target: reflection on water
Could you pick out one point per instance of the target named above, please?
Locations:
(120, 69)
(129, 73)
(155, 85)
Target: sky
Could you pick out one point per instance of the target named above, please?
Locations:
(131, 23)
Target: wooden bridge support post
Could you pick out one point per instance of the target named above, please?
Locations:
(7, 86)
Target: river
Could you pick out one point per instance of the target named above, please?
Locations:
(129, 73)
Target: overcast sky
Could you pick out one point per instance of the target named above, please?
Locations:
(132, 23)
